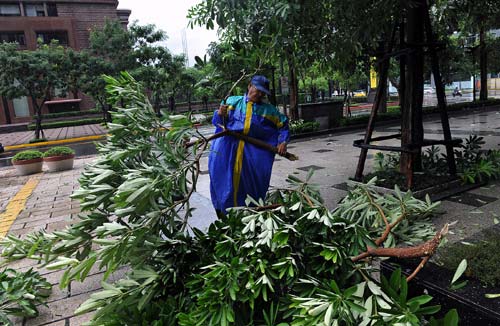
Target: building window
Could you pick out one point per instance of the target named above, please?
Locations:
(34, 10)
(21, 108)
(47, 37)
(10, 9)
(51, 9)
(10, 37)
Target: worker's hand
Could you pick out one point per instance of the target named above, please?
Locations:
(282, 149)
(222, 110)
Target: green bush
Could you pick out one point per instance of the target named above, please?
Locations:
(300, 126)
(59, 151)
(67, 123)
(394, 113)
(27, 155)
(37, 140)
(70, 114)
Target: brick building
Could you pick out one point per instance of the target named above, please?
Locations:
(68, 21)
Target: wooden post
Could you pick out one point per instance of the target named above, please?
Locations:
(441, 97)
(379, 96)
(412, 132)
(402, 64)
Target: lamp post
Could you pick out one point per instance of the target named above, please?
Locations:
(471, 50)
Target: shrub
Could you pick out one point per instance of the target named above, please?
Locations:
(66, 123)
(27, 155)
(37, 140)
(59, 151)
(70, 114)
(299, 126)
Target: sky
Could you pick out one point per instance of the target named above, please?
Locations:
(170, 16)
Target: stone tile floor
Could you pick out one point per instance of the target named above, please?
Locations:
(333, 157)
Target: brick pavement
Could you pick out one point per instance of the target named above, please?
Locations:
(23, 137)
(50, 208)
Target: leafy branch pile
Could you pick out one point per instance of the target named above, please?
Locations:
(20, 293)
(286, 261)
(473, 163)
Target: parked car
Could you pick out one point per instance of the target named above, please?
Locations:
(429, 90)
(359, 93)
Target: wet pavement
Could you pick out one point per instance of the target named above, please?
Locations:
(332, 156)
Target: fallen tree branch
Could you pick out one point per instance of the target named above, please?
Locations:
(251, 140)
(426, 249)
(419, 267)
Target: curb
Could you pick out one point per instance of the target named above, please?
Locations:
(55, 142)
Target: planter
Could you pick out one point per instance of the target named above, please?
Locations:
(328, 114)
(25, 167)
(59, 163)
(472, 306)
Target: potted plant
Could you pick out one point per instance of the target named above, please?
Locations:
(59, 158)
(28, 162)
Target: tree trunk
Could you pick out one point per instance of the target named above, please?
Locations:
(6, 111)
(294, 94)
(383, 104)
(171, 103)
(402, 65)
(157, 105)
(483, 64)
(412, 132)
(38, 112)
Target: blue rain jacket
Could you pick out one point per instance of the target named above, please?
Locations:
(237, 168)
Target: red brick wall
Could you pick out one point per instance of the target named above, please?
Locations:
(77, 17)
(86, 17)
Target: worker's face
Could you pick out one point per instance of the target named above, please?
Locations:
(254, 94)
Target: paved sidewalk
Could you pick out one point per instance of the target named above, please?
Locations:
(332, 157)
(23, 137)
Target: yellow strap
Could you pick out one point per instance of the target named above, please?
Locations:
(239, 154)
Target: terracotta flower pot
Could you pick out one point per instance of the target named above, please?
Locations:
(59, 163)
(25, 167)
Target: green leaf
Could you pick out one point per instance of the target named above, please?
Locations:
(88, 305)
(460, 270)
(492, 296)
(421, 300)
(451, 318)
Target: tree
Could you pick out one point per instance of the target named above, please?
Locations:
(265, 29)
(287, 260)
(34, 74)
(476, 18)
(137, 51)
(93, 82)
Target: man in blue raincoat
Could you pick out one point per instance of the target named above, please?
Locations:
(239, 169)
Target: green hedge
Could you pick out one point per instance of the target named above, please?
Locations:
(27, 155)
(59, 151)
(37, 140)
(393, 112)
(69, 114)
(67, 123)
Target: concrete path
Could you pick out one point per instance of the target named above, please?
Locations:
(332, 157)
